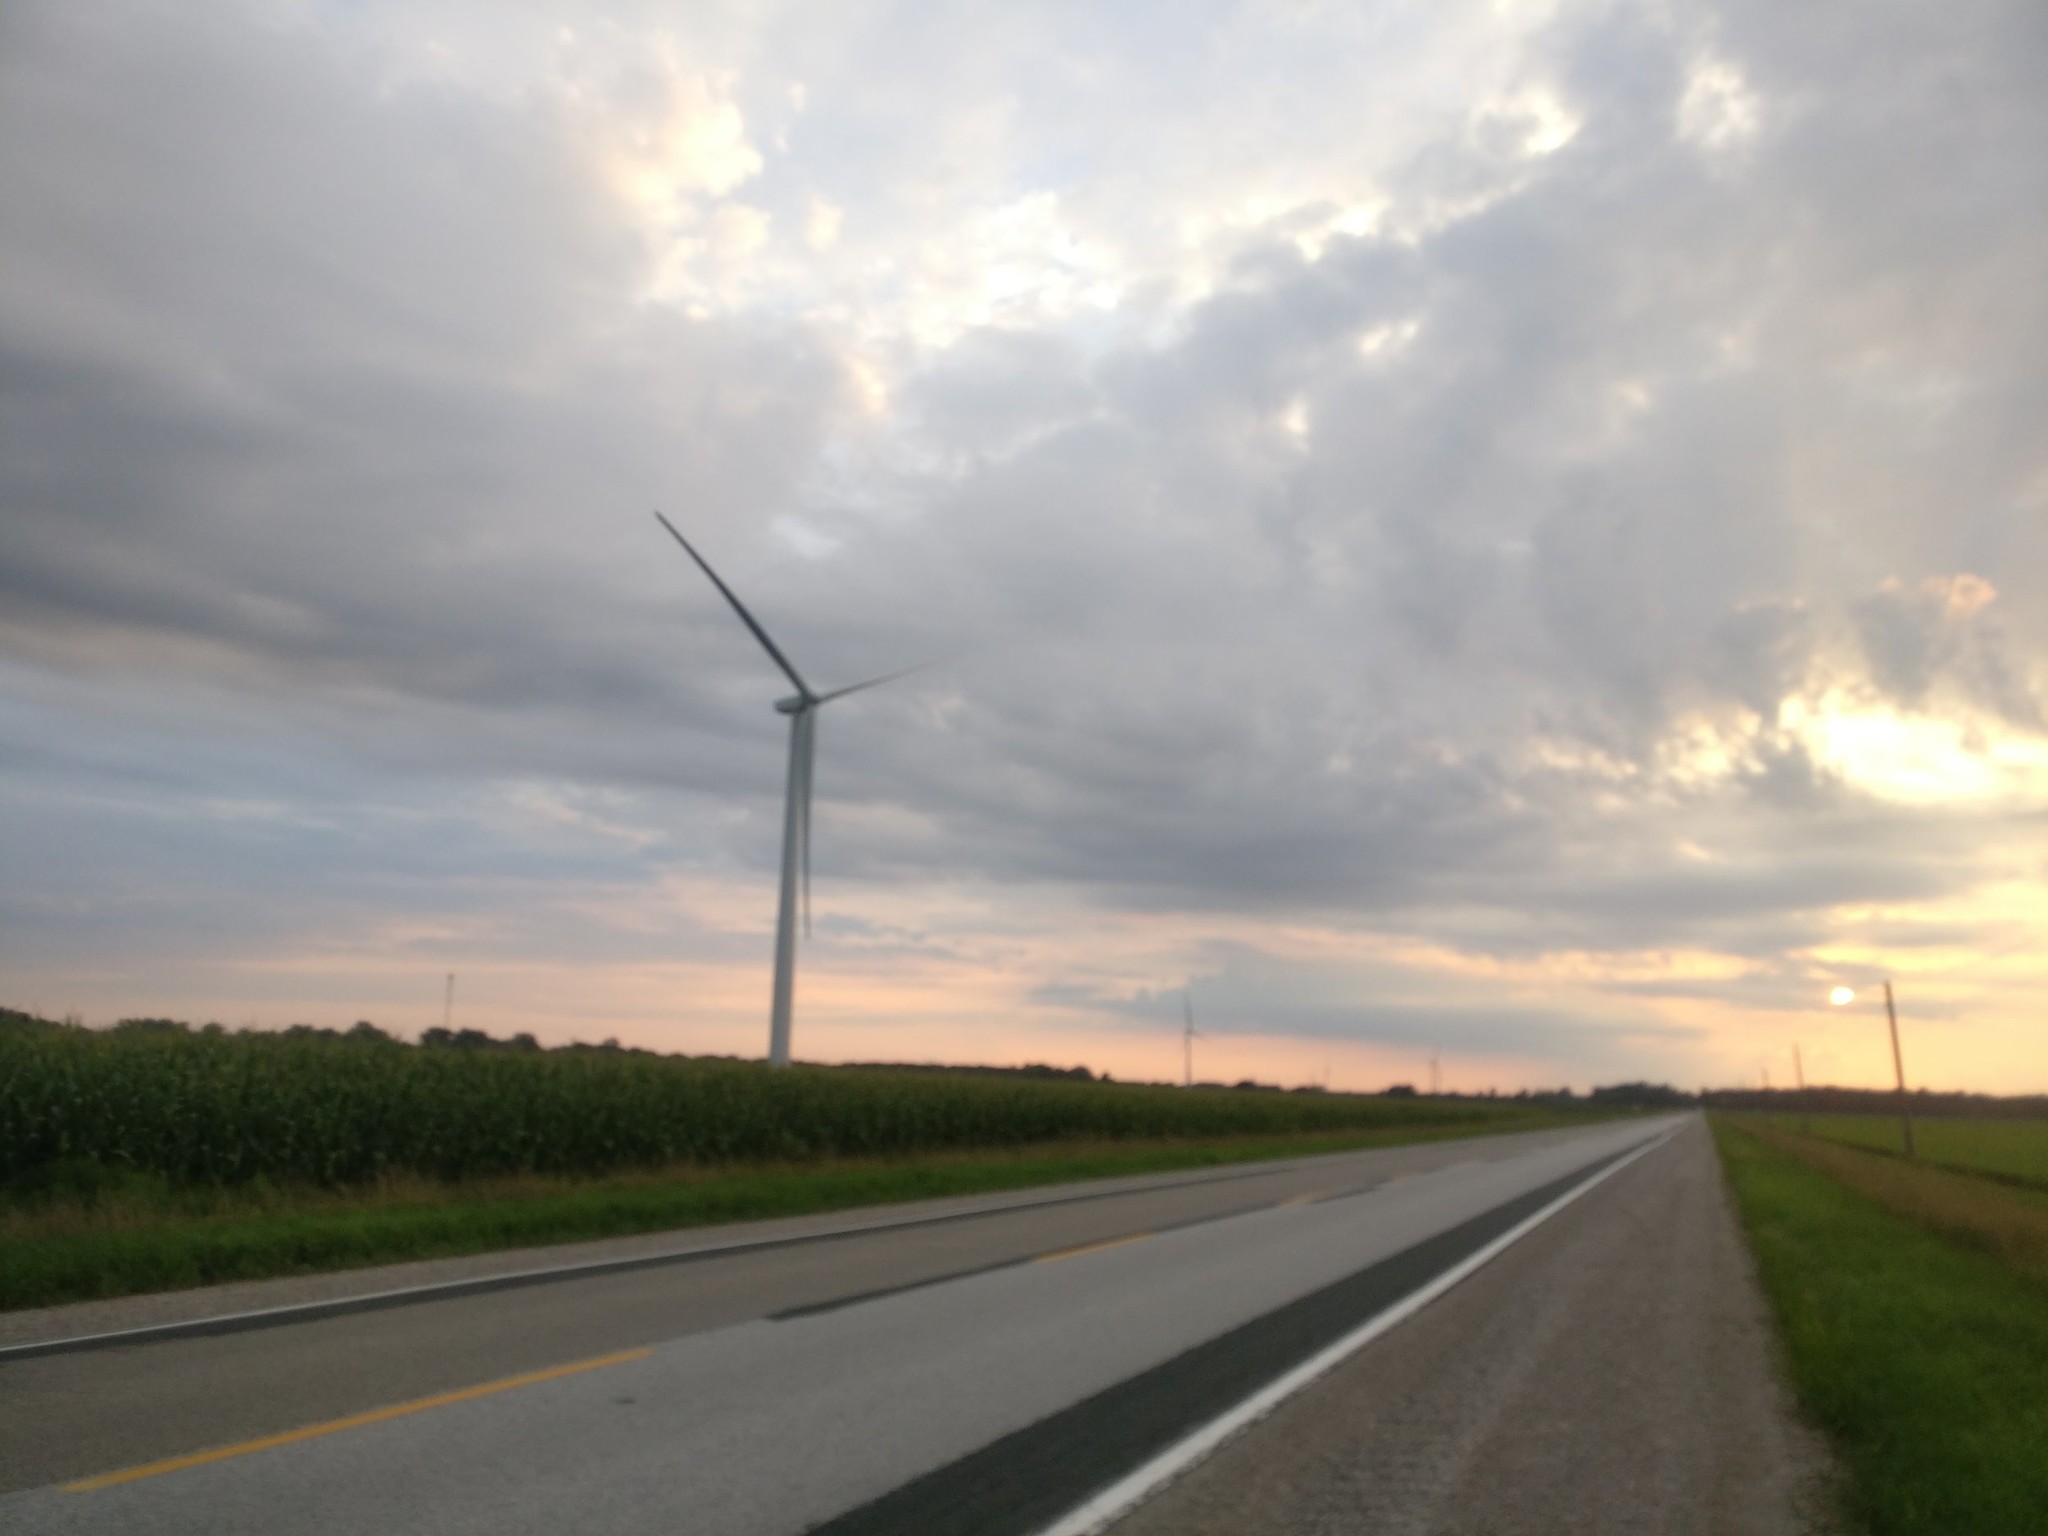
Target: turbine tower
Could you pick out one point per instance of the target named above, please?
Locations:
(802, 709)
(1188, 1036)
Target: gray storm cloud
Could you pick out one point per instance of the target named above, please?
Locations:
(1377, 573)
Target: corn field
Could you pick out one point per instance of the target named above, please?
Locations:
(225, 1109)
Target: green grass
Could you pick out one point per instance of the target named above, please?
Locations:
(143, 1235)
(1925, 1362)
(2009, 1149)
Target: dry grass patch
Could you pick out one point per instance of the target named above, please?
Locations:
(2009, 1223)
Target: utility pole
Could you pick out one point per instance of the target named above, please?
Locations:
(1899, 1069)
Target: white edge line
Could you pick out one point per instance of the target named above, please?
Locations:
(1118, 1498)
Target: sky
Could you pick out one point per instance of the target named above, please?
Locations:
(1505, 535)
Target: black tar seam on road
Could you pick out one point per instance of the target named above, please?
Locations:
(813, 1308)
(836, 1303)
(1349, 1194)
(448, 1290)
(1026, 1480)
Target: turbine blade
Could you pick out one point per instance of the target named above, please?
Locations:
(739, 608)
(873, 682)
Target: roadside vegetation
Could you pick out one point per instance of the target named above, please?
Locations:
(2015, 1151)
(153, 1156)
(205, 1108)
(2010, 1223)
(1914, 1307)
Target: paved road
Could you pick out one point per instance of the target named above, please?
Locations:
(981, 1373)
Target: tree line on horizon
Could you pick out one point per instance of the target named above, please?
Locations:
(1629, 1095)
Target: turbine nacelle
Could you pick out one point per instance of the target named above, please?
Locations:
(795, 704)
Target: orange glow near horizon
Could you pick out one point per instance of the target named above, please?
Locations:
(978, 975)
(1966, 1016)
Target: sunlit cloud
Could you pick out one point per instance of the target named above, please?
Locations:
(1923, 760)
(1719, 112)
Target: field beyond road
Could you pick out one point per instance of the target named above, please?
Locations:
(222, 1109)
(2003, 1218)
(158, 1158)
(2014, 1150)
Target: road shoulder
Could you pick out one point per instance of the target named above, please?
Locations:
(1616, 1370)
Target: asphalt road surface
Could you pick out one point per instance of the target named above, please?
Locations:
(986, 1366)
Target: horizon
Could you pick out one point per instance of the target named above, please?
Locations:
(469, 1038)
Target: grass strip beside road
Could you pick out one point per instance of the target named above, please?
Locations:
(1925, 1361)
(54, 1255)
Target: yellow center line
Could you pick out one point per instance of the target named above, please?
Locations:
(1075, 1253)
(353, 1421)
(1308, 1199)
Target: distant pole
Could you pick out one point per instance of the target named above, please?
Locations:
(1187, 1038)
(1899, 1069)
(448, 1003)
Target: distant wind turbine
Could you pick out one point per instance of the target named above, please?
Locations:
(1188, 1036)
(802, 709)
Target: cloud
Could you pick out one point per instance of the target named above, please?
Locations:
(1547, 486)
(1938, 637)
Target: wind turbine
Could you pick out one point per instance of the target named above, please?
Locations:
(802, 709)
(1188, 1036)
